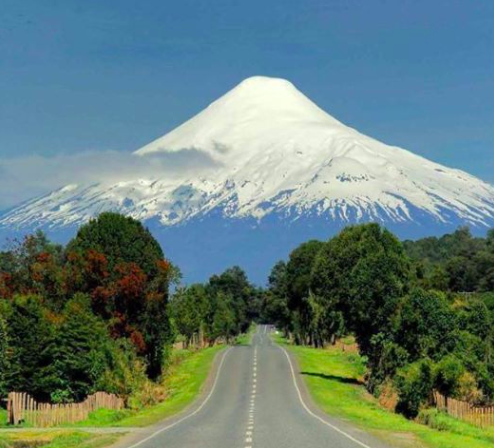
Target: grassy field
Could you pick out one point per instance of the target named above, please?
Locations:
(334, 379)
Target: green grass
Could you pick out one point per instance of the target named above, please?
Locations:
(334, 379)
(183, 383)
(58, 439)
(246, 338)
(3, 417)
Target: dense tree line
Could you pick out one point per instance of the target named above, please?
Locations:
(456, 262)
(68, 316)
(222, 308)
(418, 319)
(97, 315)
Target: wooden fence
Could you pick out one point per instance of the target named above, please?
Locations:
(21, 407)
(478, 415)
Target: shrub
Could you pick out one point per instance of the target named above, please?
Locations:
(414, 384)
(447, 375)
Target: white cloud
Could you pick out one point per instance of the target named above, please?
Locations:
(23, 178)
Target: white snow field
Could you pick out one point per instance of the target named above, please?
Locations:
(273, 151)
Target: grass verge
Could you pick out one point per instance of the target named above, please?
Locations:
(334, 379)
(184, 381)
(58, 439)
(246, 338)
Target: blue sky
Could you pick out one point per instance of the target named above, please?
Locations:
(86, 77)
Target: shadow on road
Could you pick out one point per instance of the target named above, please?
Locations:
(340, 379)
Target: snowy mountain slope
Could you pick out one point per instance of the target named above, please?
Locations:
(275, 152)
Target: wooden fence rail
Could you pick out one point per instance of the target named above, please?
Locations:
(21, 407)
(478, 415)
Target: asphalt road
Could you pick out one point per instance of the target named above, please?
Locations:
(255, 398)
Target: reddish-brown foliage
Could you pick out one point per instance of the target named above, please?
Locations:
(164, 266)
(101, 300)
(6, 286)
(137, 339)
(96, 265)
(132, 281)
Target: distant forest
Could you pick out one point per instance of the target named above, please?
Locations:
(456, 262)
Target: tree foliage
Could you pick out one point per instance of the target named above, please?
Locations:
(120, 239)
(69, 312)
(422, 312)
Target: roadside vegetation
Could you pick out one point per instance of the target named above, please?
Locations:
(56, 439)
(98, 315)
(335, 379)
(418, 328)
(181, 385)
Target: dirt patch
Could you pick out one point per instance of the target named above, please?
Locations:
(388, 397)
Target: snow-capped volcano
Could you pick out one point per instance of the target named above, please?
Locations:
(273, 154)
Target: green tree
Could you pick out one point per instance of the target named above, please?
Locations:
(121, 240)
(298, 279)
(188, 309)
(31, 344)
(234, 284)
(79, 354)
(426, 325)
(224, 325)
(274, 308)
(363, 272)
(414, 383)
(157, 332)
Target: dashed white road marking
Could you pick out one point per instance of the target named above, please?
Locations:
(250, 423)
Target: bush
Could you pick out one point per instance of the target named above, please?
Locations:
(414, 384)
(448, 373)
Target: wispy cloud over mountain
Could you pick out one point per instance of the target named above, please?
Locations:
(21, 178)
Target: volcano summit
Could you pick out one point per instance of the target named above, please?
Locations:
(278, 170)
